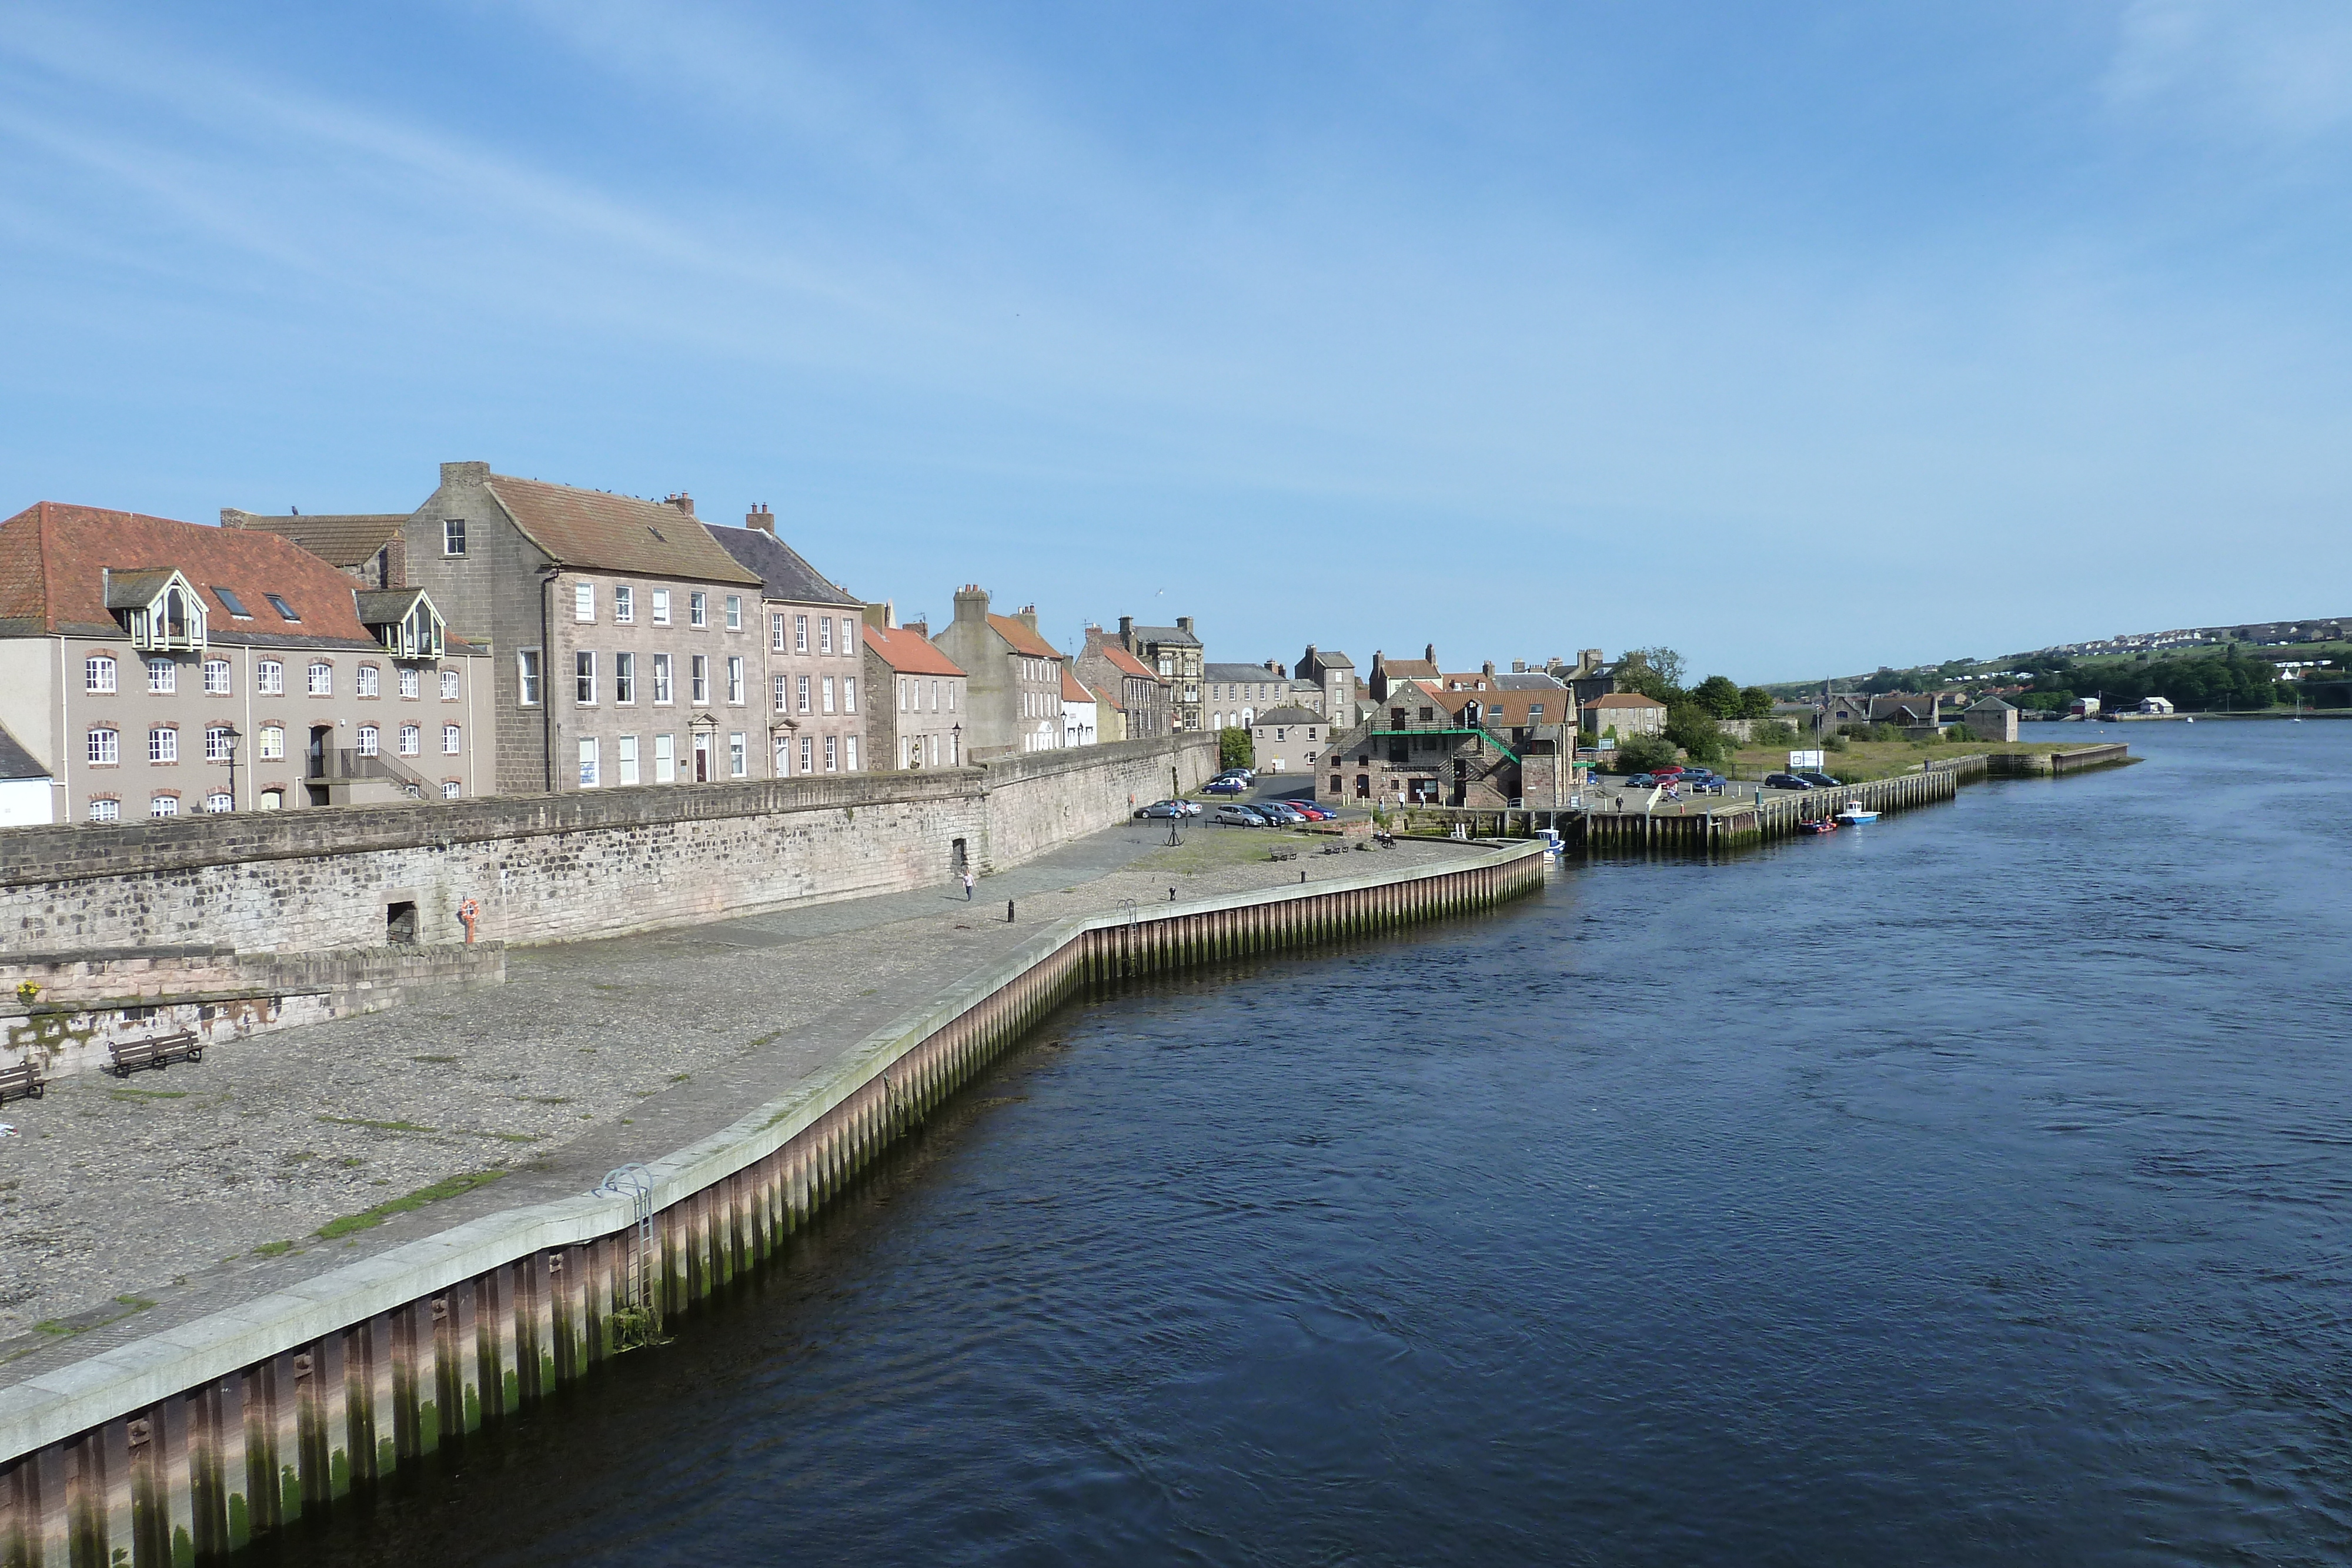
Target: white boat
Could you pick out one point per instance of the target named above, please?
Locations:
(1854, 813)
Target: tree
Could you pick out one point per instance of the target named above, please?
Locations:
(1662, 662)
(1643, 753)
(1754, 702)
(1717, 695)
(1694, 729)
(1234, 748)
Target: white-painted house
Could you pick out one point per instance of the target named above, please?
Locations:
(25, 791)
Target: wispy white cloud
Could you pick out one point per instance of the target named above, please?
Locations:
(2273, 69)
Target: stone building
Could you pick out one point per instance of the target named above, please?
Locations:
(156, 668)
(1287, 740)
(1127, 681)
(1416, 749)
(814, 655)
(1989, 718)
(1386, 672)
(1234, 695)
(1173, 653)
(627, 644)
(1335, 673)
(1013, 678)
(915, 697)
(1625, 714)
(366, 544)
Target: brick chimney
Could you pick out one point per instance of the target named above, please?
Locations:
(758, 518)
(682, 501)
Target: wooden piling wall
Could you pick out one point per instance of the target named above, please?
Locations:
(183, 1447)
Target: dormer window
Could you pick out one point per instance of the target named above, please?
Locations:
(159, 608)
(285, 610)
(403, 620)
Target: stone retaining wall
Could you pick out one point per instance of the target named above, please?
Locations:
(82, 1003)
(556, 868)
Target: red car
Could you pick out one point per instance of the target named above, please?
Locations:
(1671, 770)
(1310, 810)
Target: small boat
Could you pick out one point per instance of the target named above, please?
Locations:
(1854, 814)
(1818, 825)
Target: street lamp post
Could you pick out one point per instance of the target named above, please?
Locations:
(229, 737)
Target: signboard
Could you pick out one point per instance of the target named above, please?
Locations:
(1808, 760)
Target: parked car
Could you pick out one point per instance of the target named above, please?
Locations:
(1160, 808)
(1786, 781)
(1224, 787)
(1817, 778)
(1706, 778)
(1671, 770)
(1642, 781)
(1237, 817)
(1282, 811)
(1242, 773)
(1311, 811)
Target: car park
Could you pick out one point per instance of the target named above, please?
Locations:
(1236, 816)
(1224, 787)
(1786, 781)
(1282, 811)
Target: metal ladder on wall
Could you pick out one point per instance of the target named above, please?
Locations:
(642, 1323)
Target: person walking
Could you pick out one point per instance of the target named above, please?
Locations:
(967, 884)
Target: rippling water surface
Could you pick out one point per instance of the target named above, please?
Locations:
(1970, 1188)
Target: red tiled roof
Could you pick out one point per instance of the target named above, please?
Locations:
(1515, 709)
(54, 559)
(1073, 689)
(907, 654)
(616, 533)
(1023, 639)
(1120, 659)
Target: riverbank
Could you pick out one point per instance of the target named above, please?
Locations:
(138, 1203)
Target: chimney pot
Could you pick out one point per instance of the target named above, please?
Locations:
(760, 517)
(682, 501)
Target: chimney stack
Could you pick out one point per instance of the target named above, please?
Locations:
(1184, 625)
(971, 603)
(682, 501)
(758, 518)
(919, 628)
(1430, 654)
(1126, 633)
(1027, 616)
(1487, 668)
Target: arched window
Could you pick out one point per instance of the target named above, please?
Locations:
(368, 740)
(411, 740)
(322, 679)
(163, 806)
(163, 744)
(104, 746)
(449, 685)
(449, 740)
(216, 744)
(273, 799)
(273, 742)
(218, 801)
(269, 678)
(366, 684)
(98, 674)
(162, 675)
(215, 677)
(106, 810)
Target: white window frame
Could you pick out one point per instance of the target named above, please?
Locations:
(591, 764)
(452, 738)
(624, 759)
(412, 683)
(106, 811)
(849, 754)
(849, 695)
(160, 804)
(734, 613)
(624, 605)
(218, 676)
(824, 634)
(216, 743)
(319, 678)
(368, 682)
(271, 748)
(269, 678)
(450, 686)
(738, 755)
(412, 740)
(453, 536)
(665, 684)
(163, 743)
(735, 680)
(698, 607)
(526, 693)
(625, 680)
(698, 677)
(99, 673)
(825, 687)
(584, 677)
(162, 677)
(583, 603)
(367, 741)
(661, 606)
(800, 634)
(104, 748)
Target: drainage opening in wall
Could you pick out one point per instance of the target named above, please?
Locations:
(399, 923)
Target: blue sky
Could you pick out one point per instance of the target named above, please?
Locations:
(1801, 337)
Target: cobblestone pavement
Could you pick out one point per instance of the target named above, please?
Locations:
(125, 1206)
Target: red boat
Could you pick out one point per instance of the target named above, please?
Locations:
(1818, 825)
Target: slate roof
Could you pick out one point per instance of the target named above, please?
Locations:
(16, 762)
(348, 539)
(589, 528)
(1175, 634)
(1989, 703)
(783, 572)
(1410, 670)
(908, 653)
(1330, 658)
(1023, 639)
(1531, 681)
(1238, 673)
(1623, 700)
(55, 559)
(1288, 715)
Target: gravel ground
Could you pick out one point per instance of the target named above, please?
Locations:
(128, 1206)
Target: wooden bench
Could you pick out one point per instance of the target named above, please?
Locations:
(157, 1050)
(20, 1083)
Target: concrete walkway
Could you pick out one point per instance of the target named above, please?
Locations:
(125, 1207)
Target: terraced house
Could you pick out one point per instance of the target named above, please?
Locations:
(1013, 678)
(158, 668)
(816, 656)
(627, 646)
(915, 693)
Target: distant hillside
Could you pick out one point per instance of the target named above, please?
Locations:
(2322, 639)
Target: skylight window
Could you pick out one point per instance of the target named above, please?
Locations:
(235, 605)
(285, 610)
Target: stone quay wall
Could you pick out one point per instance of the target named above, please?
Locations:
(82, 1003)
(186, 1446)
(552, 868)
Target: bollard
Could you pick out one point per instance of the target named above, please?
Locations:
(1172, 895)
(1302, 878)
(1008, 912)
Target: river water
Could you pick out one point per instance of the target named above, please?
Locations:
(1972, 1186)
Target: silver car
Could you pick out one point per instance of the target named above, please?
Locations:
(1235, 816)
